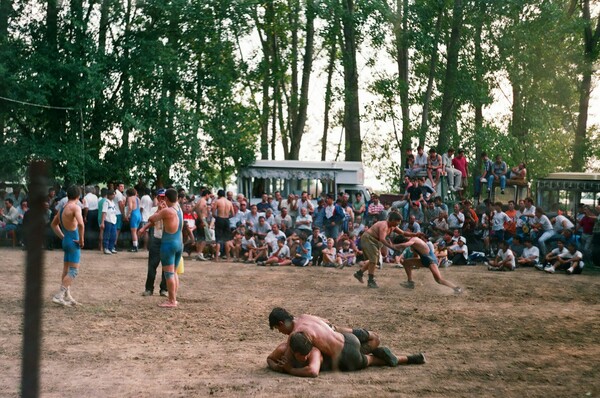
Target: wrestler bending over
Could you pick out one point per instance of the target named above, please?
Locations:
(314, 345)
(427, 258)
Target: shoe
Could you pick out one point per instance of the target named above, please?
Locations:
(459, 189)
(114, 251)
(69, 300)
(487, 264)
(164, 293)
(549, 269)
(569, 271)
(399, 266)
(106, 251)
(488, 190)
(133, 250)
(448, 263)
(359, 277)
(386, 355)
(539, 267)
(408, 284)
(416, 359)
(200, 257)
(148, 293)
(502, 191)
(490, 268)
(260, 263)
(58, 299)
(372, 284)
(457, 290)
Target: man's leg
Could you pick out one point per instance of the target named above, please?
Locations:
(169, 271)
(502, 182)
(542, 242)
(153, 262)
(490, 182)
(438, 278)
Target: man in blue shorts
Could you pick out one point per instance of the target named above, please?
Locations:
(68, 226)
(171, 246)
(426, 258)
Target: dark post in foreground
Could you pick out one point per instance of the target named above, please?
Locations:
(32, 322)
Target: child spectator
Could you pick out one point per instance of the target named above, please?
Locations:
(303, 252)
(505, 259)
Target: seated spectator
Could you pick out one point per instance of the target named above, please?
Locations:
(318, 242)
(454, 175)
(411, 225)
(233, 247)
(483, 177)
(411, 169)
(439, 205)
(304, 221)
(305, 202)
(430, 213)
(456, 219)
(262, 228)
(505, 259)
(543, 229)
(264, 204)
(518, 173)
(571, 263)
(459, 252)
(420, 165)
(435, 167)
(498, 173)
(269, 217)
(426, 191)
(417, 212)
(439, 225)
(281, 256)
(552, 257)
(329, 254)
(303, 252)
(510, 228)
(531, 255)
(498, 220)
(252, 218)
(9, 216)
(249, 247)
(517, 246)
(346, 257)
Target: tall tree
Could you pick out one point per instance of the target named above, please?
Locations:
(591, 49)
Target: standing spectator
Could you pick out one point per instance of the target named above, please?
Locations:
(319, 215)
(154, 246)
(486, 164)
(134, 217)
(23, 209)
(334, 216)
(146, 206)
(460, 163)
(264, 204)
(358, 206)
(586, 223)
(9, 216)
(511, 226)
(305, 202)
(498, 220)
(108, 223)
(375, 209)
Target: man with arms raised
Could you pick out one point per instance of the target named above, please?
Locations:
(68, 226)
(171, 245)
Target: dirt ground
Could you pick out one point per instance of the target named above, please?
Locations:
(519, 334)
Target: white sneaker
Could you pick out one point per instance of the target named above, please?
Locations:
(200, 257)
(106, 251)
(539, 266)
(58, 299)
(114, 251)
(69, 300)
(549, 269)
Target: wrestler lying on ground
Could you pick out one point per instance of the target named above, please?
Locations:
(427, 258)
(314, 345)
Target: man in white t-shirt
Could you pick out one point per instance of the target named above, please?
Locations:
(459, 252)
(505, 259)
(146, 204)
(90, 215)
(154, 252)
(119, 202)
(544, 228)
(531, 255)
(304, 220)
(571, 263)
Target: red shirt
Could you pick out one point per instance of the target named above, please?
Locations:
(587, 224)
(460, 164)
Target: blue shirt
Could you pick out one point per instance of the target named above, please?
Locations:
(308, 254)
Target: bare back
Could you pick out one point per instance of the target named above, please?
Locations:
(223, 208)
(70, 215)
(202, 208)
(320, 333)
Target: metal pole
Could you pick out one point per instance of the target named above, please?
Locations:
(32, 322)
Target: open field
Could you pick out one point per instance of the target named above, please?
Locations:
(519, 334)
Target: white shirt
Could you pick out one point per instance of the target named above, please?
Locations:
(544, 221)
(109, 208)
(499, 219)
(308, 218)
(558, 223)
(91, 201)
(464, 247)
(271, 240)
(421, 160)
(158, 225)
(531, 252)
(456, 220)
(119, 197)
(146, 207)
(284, 252)
(508, 255)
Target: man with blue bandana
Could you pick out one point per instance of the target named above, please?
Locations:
(68, 226)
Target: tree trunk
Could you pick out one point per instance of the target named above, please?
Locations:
(591, 39)
(299, 121)
(430, 79)
(353, 147)
(479, 84)
(328, 95)
(401, 43)
(448, 117)
(127, 100)
(5, 11)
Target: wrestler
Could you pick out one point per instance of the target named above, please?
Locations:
(427, 258)
(344, 349)
(222, 211)
(171, 246)
(68, 226)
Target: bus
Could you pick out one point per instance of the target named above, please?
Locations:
(566, 191)
(295, 176)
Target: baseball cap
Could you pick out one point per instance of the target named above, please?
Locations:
(463, 239)
(161, 192)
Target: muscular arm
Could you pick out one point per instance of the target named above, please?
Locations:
(56, 228)
(80, 226)
(276, 356)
